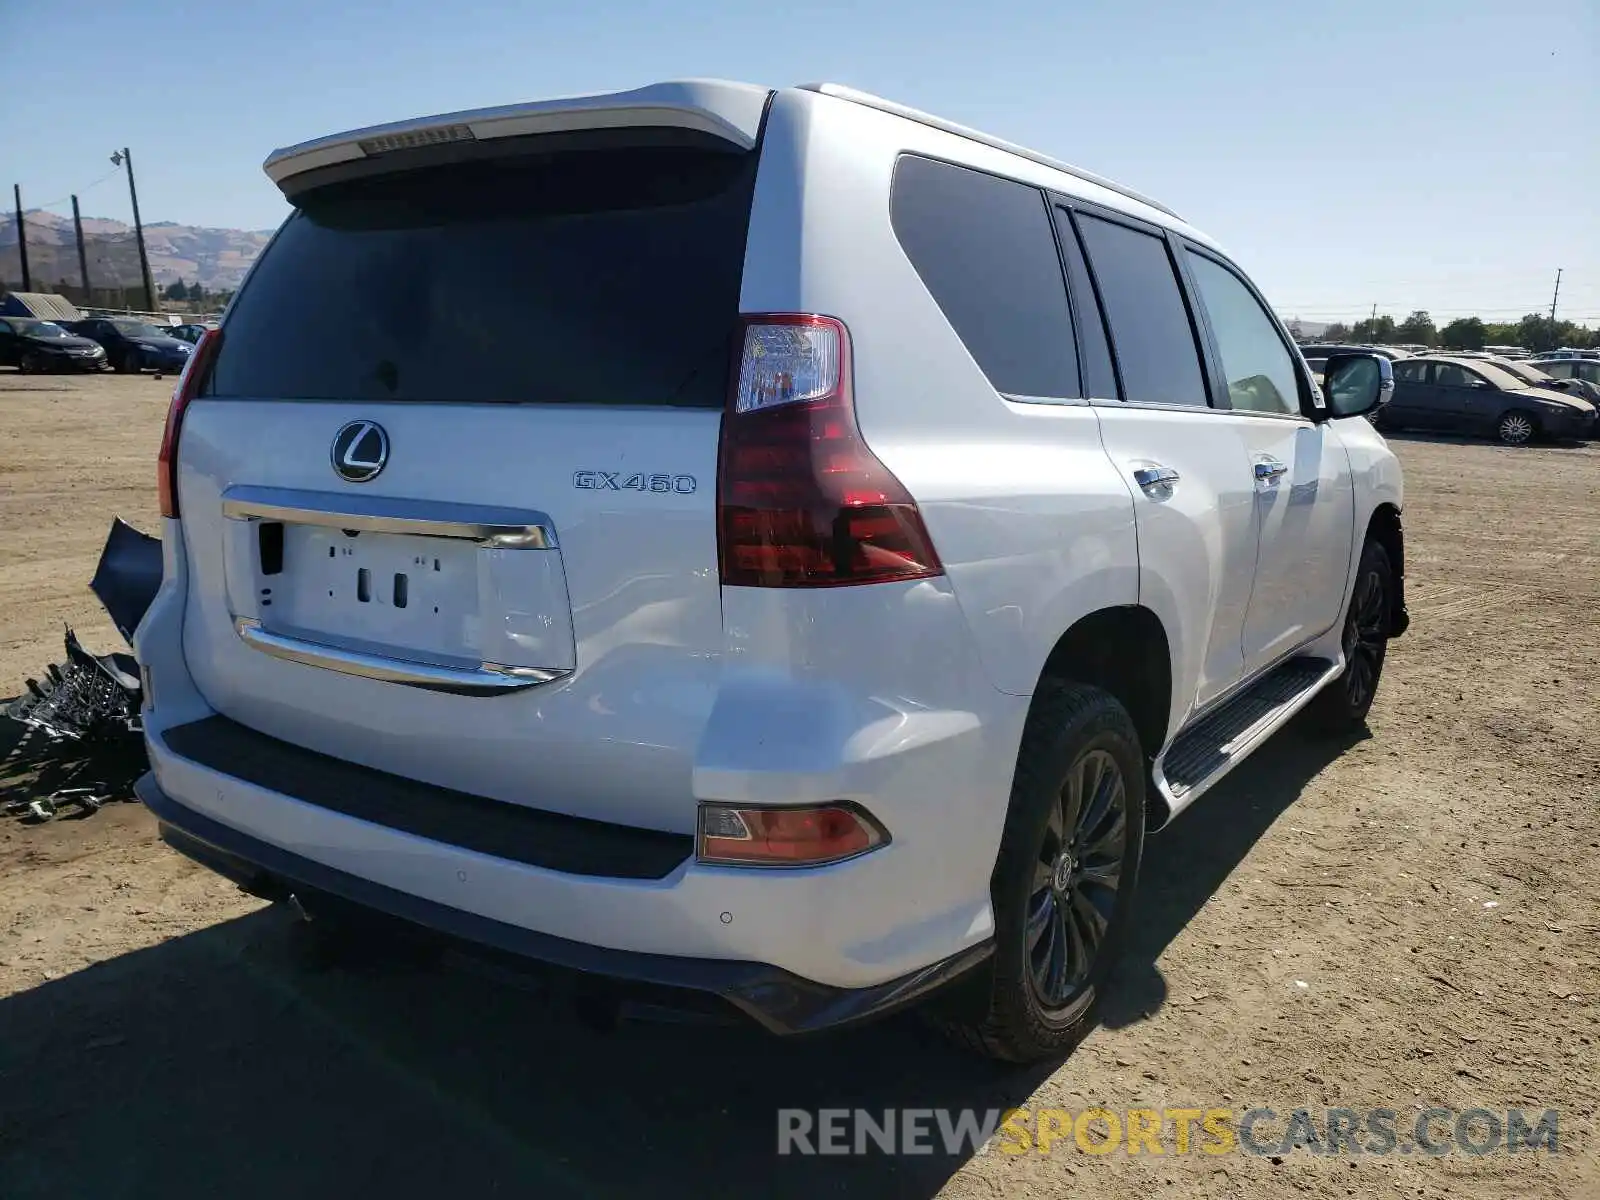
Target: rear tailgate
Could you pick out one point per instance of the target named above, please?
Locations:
(448, 493)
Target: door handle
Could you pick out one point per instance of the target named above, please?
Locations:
(1268, 469)
(1154, 477)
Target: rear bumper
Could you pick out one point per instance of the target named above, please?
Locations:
(782, 1002)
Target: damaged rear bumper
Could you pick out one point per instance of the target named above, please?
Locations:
(780, 1001)
(128, 575)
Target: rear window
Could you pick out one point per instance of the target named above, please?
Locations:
(585, 277)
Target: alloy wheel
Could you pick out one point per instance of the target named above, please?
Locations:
(1515, 429)
(1076, 878)
(1365, 638)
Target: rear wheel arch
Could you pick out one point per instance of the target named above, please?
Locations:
(1123, 651)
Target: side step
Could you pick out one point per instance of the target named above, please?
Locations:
(1210, 747)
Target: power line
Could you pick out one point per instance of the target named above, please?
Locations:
(80, 191)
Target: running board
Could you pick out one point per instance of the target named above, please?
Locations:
(1210, 747)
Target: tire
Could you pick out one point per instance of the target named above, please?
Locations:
(128, 362)
(31, 364)
(1516, 428)
(1343, 705)
(1037, 996)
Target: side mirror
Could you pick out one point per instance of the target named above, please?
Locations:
(1357, 384)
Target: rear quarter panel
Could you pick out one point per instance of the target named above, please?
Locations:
(1033, 523)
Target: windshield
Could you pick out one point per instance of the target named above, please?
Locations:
(44, 329)
(1500, 377)
(138, 329)
(1524, 372)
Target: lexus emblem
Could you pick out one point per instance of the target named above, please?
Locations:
(360, 450)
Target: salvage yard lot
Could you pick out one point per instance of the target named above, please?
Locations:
(1411, 919)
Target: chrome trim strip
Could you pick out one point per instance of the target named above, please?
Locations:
(1199, 408)
(501, 528)
(486, 679)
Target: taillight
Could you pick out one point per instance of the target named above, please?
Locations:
(205, 352)
(801, 500)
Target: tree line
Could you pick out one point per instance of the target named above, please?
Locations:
(179, 290)
(1535, 332)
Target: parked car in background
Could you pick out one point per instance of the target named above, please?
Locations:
(1316, 354)
(1570, 380)
(136, 345)
(191, 333)
(1584, 369)
(1451, 395)
(33, 345)
(1566, 355)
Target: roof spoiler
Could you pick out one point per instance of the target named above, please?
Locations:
(729, 111)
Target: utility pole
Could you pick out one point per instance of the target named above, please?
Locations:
(117, 160)
(1552, 298)
(22, 239)
(83, 259)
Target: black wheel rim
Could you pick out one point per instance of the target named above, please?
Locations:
(1076, 878)
(1365, 637)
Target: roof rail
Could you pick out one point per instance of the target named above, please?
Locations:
(841, 92)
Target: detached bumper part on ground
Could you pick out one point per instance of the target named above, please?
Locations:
(780, 1001)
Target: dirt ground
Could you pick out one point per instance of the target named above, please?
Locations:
(1406, 920)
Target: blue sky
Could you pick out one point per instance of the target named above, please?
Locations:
(1412, 153)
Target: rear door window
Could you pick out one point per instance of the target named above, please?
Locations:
(582, 277)
(1150, 328)
(1453, 376)
(983, 248)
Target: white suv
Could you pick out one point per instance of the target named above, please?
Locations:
(774, 544)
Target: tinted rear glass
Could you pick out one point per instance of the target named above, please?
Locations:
(597, 277)
(984, 249)
(1149, 321)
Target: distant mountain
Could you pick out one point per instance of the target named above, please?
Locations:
(216, 258)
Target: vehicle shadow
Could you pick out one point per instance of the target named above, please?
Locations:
(1185, 865)
(220, 1063)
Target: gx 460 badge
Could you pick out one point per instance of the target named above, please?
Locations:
(638, 481)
